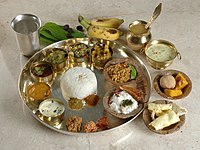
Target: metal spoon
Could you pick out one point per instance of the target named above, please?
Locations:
(156, 13)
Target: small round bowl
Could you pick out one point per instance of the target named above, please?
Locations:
(167, 130)
(37, 92)
(109, 94)
(53, 53)
(157, 49)
(186, 90)
(51, 111)
(78, 54)
(99, 63)
(42, 72)
(118, 61)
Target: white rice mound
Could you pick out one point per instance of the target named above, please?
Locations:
(78, 82)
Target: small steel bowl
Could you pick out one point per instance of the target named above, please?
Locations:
(51, 115)
(48, 78)
(159, 65)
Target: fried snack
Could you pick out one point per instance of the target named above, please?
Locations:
(74, 123)
(90, 127)
(102, 123)
(135, 93)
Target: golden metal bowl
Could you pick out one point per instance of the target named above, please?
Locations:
(161, 64)
(58, 67)
(56, 117)
(99, 63)
(36, 92)
(49, 78)
(137, 36)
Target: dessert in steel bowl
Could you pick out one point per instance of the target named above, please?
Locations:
(164, 117)
(172, 84)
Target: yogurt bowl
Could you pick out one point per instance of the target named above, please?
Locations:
(52, 111)
(161, 53)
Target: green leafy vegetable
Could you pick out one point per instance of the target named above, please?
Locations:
(133, 71)
(127, 102)
(51, 33)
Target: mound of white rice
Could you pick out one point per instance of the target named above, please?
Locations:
(78, 82)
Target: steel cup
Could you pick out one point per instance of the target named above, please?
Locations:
(26, 27)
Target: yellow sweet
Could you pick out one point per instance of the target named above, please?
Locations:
(181, 82)
(173, 93)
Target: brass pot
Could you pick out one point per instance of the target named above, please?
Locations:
(165, 63)
(137, 36)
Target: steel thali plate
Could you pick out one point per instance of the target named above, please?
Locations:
(87, 113)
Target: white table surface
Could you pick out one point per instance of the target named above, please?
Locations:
(178, 23)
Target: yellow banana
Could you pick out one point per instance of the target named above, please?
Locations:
(107, 22)
(106, 33)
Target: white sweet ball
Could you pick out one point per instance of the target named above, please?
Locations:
(167, 82)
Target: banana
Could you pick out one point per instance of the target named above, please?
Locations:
(106, 33)
(107, 22)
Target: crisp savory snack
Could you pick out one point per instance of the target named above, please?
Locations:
(90, 127)
(102, 123)
(164, 117)
(74, 123)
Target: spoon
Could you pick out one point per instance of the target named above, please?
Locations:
(156, 13)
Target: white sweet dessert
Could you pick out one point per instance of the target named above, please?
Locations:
(78, 82)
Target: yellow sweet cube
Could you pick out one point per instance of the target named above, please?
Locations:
(173, 93)
(181, 82)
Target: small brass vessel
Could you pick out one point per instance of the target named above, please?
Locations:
(138, 36)
(48, 78)
(55, 118)
(160, 65)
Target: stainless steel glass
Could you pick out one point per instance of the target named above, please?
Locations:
(26, 27)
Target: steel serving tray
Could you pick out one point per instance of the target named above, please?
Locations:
(87, 113)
